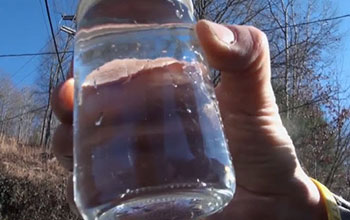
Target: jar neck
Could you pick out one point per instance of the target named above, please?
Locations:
(134, 11)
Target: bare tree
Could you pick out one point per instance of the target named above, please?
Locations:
(228, 11)
(50, 78)
(302, 44)
(299, 50)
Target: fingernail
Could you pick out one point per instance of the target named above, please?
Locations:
(223, 34)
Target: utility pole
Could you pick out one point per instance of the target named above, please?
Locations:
(68, 17)
(54, 79)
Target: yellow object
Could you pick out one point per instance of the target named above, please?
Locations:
(329, 200)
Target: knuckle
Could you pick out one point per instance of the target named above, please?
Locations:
(258, 51)
(66, 162)
(62, 141)
(259, 40)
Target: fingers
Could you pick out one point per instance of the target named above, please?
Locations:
(62, 145)
(242, 55)
(70, 196)
(62, 105)
(63, 100)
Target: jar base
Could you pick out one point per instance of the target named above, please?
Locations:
(173, 204)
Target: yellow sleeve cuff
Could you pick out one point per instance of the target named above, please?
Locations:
(329, 200)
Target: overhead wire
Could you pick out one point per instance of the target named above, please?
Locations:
(44, 18)
(72, 7)
(33, 54)
(270, 29)
(36, 69)
(26, 76)
(21, 67)
(310, 22)
(21, 114)
(60, 52)
(54, 9)
(29, 60)
(54, 39)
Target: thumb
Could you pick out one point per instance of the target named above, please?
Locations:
(241, 53)
(264, 156)
(246, 99)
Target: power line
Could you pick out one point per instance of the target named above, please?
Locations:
(34, 54)
(42, 13)
(29, 60)
(36, 69)
(275, 28)
(54, 39)
(27, 75)
(19, 115)
(73, 7)
(311, 22)
(57, 11)
(19, 69)
(24, 77)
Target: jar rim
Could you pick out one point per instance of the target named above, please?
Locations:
(84, 5)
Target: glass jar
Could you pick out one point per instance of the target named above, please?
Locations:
(148, 137)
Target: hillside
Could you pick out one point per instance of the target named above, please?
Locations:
(32, 186)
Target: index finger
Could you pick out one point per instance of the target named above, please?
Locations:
(62, 101)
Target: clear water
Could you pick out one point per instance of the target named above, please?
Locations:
(148, 138)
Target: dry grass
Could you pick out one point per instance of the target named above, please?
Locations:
(32, 184)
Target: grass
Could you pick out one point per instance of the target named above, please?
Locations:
(32, 184)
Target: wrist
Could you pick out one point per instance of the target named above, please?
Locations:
(308, 204)
(317, 205)
(329, 200)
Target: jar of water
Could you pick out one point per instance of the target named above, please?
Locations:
(148, 137)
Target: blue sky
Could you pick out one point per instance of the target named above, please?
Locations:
(344, 51)
(24, 29)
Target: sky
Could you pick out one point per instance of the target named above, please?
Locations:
(344, 52)
(25, 29)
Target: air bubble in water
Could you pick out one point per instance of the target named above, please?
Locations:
(192, 215)
(138, 46)
(203, 184)
(199, 206)
(199, 55)
(172, 2)
(175, 85)
(189, 110)
(80, 97)
(99, 121)
(95, 84)
(179, 14)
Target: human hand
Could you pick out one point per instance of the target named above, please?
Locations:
(270, 181)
